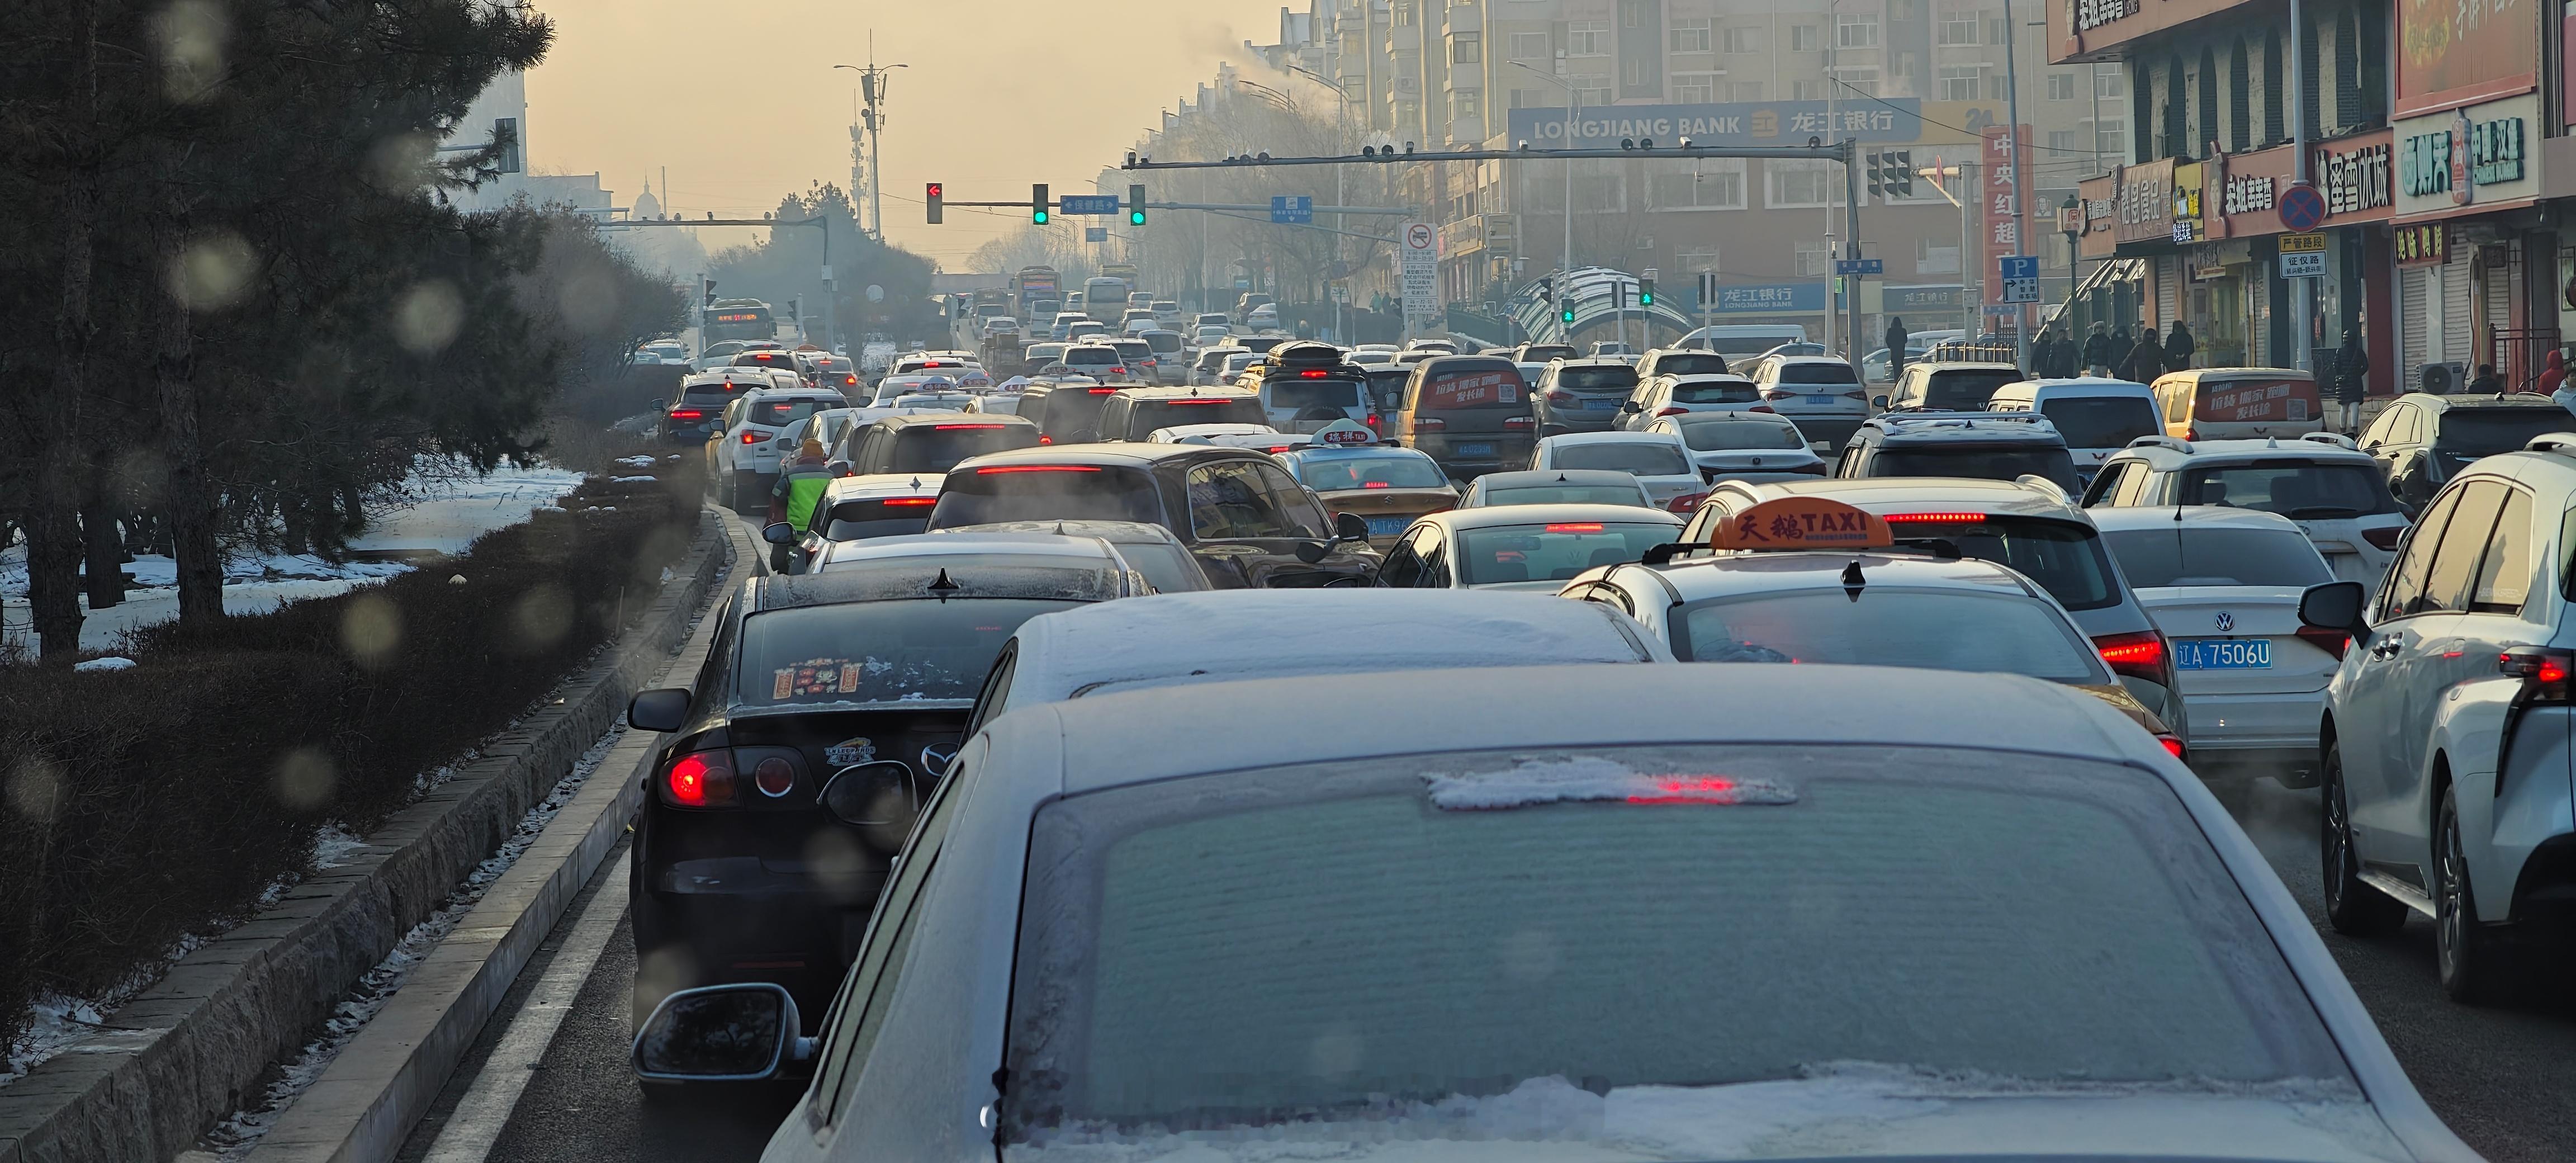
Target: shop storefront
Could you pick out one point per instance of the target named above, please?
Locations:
(2239, 300)
(2475, 281)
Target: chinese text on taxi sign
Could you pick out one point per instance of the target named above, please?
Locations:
(1801, 523)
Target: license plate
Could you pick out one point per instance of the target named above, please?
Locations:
(1818, 400)
(2223, 654)
(1387, 526)
(1600, 405)
(1475, 450)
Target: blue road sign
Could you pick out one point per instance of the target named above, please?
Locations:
(1295, 208)
(1859, 266)
(1089, 204)
(2018, 266)
(1095, 234)
(2302, 207)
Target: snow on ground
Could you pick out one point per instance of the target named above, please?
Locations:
(446, 513)
(238, 1133)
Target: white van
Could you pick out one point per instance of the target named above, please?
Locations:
(2098, 417)
(1738, 341)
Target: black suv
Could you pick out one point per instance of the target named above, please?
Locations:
(2424, 440)
(1248, 522)
(930, 442)
(1983, 445)
(855, 682)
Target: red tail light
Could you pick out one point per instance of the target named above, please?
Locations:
(1002, 468)
(1312, 375)
(956, 427)
(1777, 394)
(2388, 537)
(912, 500)
(1672, 411)
(2173, 746)
(1519, 423)
(1375, 485)
(849, 379)
(1045, 439)
(1102, 391)
(1118, 371)
(749, 437)
(2544, 673)
(1685, 503)
(700, 780)
(1560, 397)
(1372, 421)
(688, 414)
(1765, 409)
(2191, 433)
(2138, 655)
(1855, 395)
(1574, 527)
(774, 777)
(2333, 642)
(1935, 518)
(1201, 400)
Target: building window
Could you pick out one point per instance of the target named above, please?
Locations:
(1692, 35)
(1744, 92)
(1466, 105)
(2064, 141)
(1856, 31)
(1533, 99)
(1956, 29)
(1403, 13)
(1997, 31)
(1587, 38)
(1815, 258)
(1998, 87)
(1933, 259)
(1600, 193)
(1641, 76)
(1962, 82)
(1592, 91)
(1807, 90)
(1802, 38)
(2110, 82)
(2061, 86)
(1802, 183)
(1857, 82)
(1694, 88)
(1705, 184)
(1635, 13)
(1530, 46)
(1745, 40)
(1466, 48)
(2111, 137)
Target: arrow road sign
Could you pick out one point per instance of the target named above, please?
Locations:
(1088, 204)
(1292, 208)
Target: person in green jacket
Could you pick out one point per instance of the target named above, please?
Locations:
(801, 485)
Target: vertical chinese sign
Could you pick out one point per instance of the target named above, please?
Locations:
(2004, 226)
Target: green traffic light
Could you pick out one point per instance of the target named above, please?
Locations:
(1135, 218)
(1038, 217)
(1567, 315)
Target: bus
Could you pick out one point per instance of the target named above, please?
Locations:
(1105, 297)
(738, 319)
(1034, 285)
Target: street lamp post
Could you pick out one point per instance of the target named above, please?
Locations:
(2072, 211)
(1573, 116)
(1341, 140)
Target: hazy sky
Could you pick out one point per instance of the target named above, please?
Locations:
(741, 103)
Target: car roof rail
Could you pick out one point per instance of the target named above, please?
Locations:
(2563, 443)
(2175, 443)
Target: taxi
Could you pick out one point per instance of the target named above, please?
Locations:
(1353, 472)
(1803, 579)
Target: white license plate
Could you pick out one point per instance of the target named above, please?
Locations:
(2223, 654)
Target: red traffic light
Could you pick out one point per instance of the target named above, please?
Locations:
(935, 191)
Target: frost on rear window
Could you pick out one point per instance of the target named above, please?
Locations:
(1530, 782)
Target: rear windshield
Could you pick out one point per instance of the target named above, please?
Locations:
(1134, 350)
(1566, 494)
(2100, 421)
(1889, 626)
(1947, 913)
(1690, 364)
(1734, 434)
(1476, 385)
(1067, 413)
(877, 652)
(1541, 353)
(707, 393)
(1147, 415)
(1596, 379)
(1552, 551)
(860, 520)
(2468, 433)
(781, 413)
(991, 496)
(2185, 556)
(1992, 462)
(2298, 489)
(2257, 401)
(1630, 456)
(1743, 344)
(1168, 568)
(1714, 392)
(1163, 341)
(1298, 393)
(938, 447)
(1817, 373)
(1090, 356)
(1384, 470)
(1964, 391)
(2065, 558)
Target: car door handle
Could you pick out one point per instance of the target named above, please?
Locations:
(2385, 650)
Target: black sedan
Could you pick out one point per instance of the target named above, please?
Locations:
(829, 707)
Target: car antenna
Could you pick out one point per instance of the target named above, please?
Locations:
(1851, 575)
(1059, 528)
(942, 586)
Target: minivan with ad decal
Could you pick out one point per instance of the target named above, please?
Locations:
(2239, 403)
(1471, 413)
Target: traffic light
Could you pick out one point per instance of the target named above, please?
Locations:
(1566, 316)
(1135, 205)
(936, 196)
(1645, 292)
(1038, 204)
(1900, 173)
(1547, 290)
(709, 290)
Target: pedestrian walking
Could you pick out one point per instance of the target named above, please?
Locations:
(2097, 350)
(2178, 348)
(2352, 383)
(2146, 359)
(1895, 337)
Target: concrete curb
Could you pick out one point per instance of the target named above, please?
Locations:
(192, 1048)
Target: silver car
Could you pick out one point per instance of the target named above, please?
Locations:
(1819, 393)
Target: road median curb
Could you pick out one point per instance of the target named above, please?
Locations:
(194, 1047)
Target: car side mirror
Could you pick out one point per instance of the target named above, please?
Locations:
(838, 468)
(778, 533)
(2335, 606)
(1878, 402)
(1632, 406)
(1350, 527)
(661, 711)
(721, 1033)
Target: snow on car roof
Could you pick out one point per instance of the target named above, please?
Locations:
(883, 484)
(1214, 636)
(1967, 428)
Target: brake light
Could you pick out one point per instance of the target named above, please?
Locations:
(1045, 439)
(1560, 397)
(957, 427)
(934, 363)
(911, 500)
(1194, 401)
(1312, 375)
(1371, 421)
(1765, 409)
(1102, 391)
(2544, 673)
(1002, 468)
(2173, 746)
(2138, 655)
(2191, 433)
(1118, 371)
(700, 780)
(688, 414)
(1776, 394)
(849, 379)
(1685, 503)
(750, 437)
(1574, 527)
(1523, 423)
(2332, 641)
(2387, 537)
(1935, 518)
(1375, 485)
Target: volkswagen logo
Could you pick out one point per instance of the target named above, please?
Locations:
(2226, 621)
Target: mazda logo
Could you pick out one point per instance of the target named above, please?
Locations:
(935, 759)
(2226, 621)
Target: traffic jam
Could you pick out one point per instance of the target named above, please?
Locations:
(1070, 783)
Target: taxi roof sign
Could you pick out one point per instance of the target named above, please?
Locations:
(1344, 432)
(1802, 523)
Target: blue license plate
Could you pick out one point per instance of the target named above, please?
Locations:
(1600, 405)
(1387, 526)
(2223, 654)
(1819, 401)
(1474, 450)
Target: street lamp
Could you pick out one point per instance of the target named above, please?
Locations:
(1573, 107)
(1341, 144)
(2070, 216)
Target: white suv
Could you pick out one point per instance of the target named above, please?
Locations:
(2336, 493)
(742, 463)
(2445, 747)
(1820, 394)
